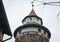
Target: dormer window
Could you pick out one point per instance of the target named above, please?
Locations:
(37, 19)
(27, 19)
(30, 19)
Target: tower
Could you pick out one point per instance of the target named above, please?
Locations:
(32, 29)
(4, 25)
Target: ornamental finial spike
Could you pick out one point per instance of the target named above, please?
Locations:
(32, 4)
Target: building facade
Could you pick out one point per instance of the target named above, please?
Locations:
(32, 30)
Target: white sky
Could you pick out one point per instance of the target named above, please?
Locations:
(16, 10)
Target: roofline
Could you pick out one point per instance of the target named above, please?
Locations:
(4, 21)
(33, 16)
(31, 25)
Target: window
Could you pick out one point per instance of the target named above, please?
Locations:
(30, 19)
(34, 18)
(37, 19)
(44, 32)
(39, 30)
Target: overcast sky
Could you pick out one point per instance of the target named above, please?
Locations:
(16, 10)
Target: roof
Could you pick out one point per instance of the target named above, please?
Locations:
(4, 21)
(32, 13)
(31, 25)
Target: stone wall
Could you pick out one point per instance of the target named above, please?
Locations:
(31, 37)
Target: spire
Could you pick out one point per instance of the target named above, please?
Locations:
(32, 18)
(32, 13)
